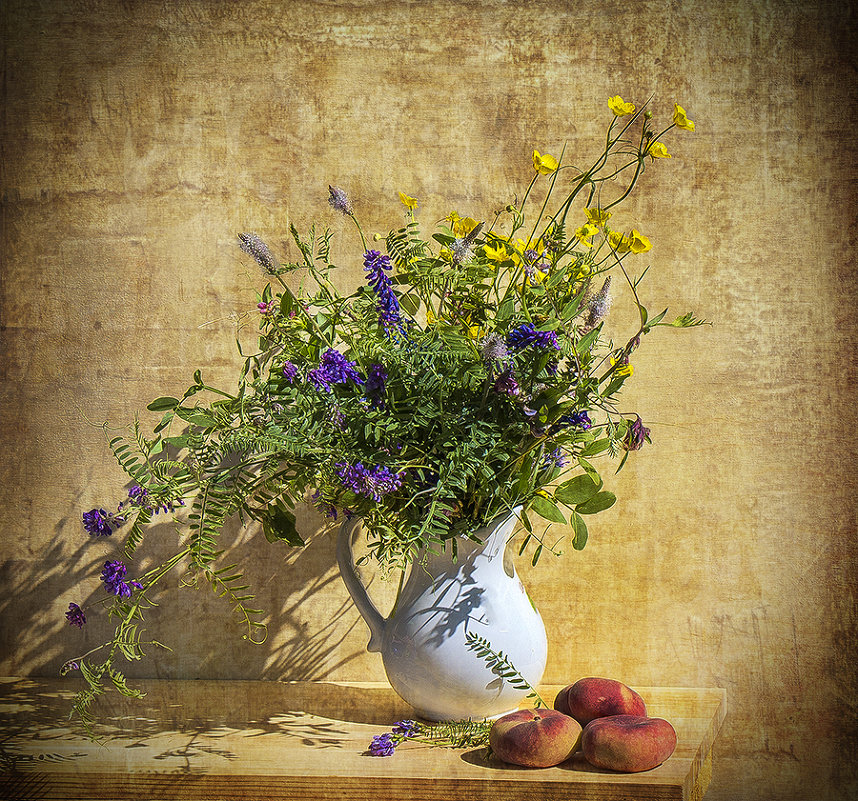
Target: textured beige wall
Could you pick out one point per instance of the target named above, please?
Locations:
(140, 137)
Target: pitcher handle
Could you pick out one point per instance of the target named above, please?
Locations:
(367, 609)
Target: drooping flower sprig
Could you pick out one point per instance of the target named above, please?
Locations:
(452, 734)
(469, 374)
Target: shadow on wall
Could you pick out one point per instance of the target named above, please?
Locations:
(306, 608)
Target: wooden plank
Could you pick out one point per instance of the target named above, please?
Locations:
(302, 740)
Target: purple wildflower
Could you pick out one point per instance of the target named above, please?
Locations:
(254, 246)
(334, 368)
(327, 509)
(506, 384)
(382, 745)
(376, 382)
(406, 728)
(339, 200)
(290, 371)
(75, 616)
(636, 435)
(112, 574)
(101, 523)
(526, 335)
(579, 419)
(375, 266)
(555, 458)
(139, 496)
(266, 307)
(372, 483)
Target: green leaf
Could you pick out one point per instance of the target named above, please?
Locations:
(586, 342)
(597, 446)
(165, 421)
(571, 308)
(279, 524)
(688, 320)
(506, 309)
(598, 503)
(577, 490)
(196, 417)
(580, 528)
(411, 303)
(163, 404)
(591, 471)
(547, 509)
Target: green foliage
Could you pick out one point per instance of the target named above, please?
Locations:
(497, 384)
(500, 665)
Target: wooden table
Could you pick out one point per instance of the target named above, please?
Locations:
(218, 740)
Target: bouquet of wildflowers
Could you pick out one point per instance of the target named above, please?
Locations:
(467, 377)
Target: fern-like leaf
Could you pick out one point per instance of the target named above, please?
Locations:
(499, 663)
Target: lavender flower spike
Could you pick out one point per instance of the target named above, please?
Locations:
(406, 728)
(75, 616)
(636, 435)
(254, 246)
(377, 266)
(375, 384)
(339, 201)
(493, 349)
(334, 368)
(598, 306)
(112, 574)
(374, 482)
(382, 745)
(290, 371)
(506, 384)
(100, 523)
(526, 335)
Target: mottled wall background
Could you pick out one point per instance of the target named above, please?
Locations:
(140, 137)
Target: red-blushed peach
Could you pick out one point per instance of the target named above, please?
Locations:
(628, 743)
(591, 698)
(535, 738)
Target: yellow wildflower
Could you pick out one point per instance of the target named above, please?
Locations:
(596, 216)
(475, 332)
(619, 242)
(638, 243)
(496, 252)
(409, 202)
(620, 107)
(460, 226)
(544, 164)
(585, 234)
(624, 369)
(680, 118)
(658, 151)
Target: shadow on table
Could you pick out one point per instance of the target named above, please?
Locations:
(480, 757)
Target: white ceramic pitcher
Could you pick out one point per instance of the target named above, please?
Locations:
(423, 643)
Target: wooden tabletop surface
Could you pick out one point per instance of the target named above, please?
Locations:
(248, 740)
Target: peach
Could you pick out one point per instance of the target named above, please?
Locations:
(535, 738)
(628, 743)
(591, 698)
